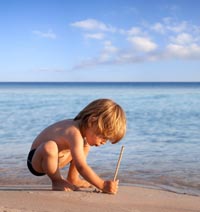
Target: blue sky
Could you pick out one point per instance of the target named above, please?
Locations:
(107, 40)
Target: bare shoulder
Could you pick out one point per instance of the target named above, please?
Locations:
(62, 132)
(74, 134)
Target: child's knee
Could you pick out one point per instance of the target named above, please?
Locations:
(51, 148)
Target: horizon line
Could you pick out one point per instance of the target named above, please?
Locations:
(99, 81)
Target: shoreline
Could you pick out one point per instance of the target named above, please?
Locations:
(20, 187)
(128, 198)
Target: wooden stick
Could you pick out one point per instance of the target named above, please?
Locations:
(118, 163)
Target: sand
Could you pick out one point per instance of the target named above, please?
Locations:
(128, 198)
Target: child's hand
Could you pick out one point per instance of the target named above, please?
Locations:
(110, 187)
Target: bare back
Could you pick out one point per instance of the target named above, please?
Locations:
(59, 132)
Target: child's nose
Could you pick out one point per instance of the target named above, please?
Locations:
(103, 142)
(98, 144)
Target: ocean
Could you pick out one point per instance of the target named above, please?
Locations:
(162, 143)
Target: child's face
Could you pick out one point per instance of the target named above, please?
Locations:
(93, 139)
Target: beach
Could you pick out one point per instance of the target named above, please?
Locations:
(128, 198)
(160, 168)
(161, 132)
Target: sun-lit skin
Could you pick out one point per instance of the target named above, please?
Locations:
(69, 141)
(94, 139)
(68, 145)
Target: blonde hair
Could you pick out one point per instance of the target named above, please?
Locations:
(106, 117)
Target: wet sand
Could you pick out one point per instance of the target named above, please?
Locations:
(128, 198)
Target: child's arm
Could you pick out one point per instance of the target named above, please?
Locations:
(86, 171)
(73, 174)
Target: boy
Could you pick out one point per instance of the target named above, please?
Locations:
(69, 141)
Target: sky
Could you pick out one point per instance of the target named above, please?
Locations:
(92, 40)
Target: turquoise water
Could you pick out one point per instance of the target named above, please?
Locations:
(162, 144)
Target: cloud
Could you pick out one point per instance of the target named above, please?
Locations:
(108, 52)
(182, 39)
(50, 70)
(191, 51)
(134, 31)
(142, 43)
(49, 34)
(93, 24)
(165, 39)
(97, 36)
(169, 25)
(178, 27)
(108, 47)
(159, 27)
(106, 56)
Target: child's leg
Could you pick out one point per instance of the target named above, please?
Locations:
(74, 178)
(45, 160)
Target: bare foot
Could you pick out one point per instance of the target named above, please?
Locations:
(81, 183)
(63, 185)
